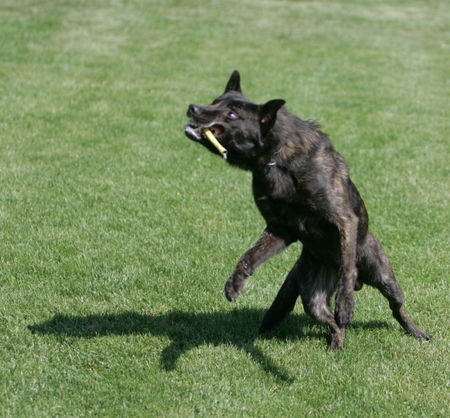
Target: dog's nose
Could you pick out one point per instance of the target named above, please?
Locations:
(193, 109)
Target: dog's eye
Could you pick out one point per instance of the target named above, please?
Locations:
(232, 115)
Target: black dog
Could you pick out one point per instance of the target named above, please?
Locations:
(302, 188)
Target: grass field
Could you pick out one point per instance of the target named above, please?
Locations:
(117, 233)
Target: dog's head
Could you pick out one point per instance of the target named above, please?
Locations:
(238, 124)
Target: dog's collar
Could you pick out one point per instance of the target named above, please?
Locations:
(272, 162)
(275, 164)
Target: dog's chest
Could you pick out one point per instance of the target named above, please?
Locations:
(286, 205)
(274, 192)
(274, 182)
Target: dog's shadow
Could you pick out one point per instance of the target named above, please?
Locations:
(187, 330)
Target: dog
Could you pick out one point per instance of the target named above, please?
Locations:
(302, 188)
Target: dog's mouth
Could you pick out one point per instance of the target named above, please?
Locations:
(196, 131)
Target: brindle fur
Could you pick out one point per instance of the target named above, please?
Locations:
(303, 190)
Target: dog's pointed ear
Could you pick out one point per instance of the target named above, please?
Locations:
(268, 114)
(234, 83)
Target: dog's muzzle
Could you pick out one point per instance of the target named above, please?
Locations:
(196, 132)
(193, 132)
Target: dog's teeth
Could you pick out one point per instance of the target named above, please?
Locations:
(192, 132)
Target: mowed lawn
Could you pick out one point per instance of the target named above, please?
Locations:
(117, 233)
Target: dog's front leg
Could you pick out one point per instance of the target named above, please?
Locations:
(345, 300)
(267, 246)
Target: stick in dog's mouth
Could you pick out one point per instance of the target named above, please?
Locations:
(210, 136)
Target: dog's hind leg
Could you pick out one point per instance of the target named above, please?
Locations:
(358, 285)
(376, 271)
(284, 301)
(345, 299)
(316, 286)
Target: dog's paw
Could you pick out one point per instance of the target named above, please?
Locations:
(267, 324)
(336, 343)
(233, 287)
(419, 334)
(345, 304)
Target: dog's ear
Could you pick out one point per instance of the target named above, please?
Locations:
(234, 83)
(268, 114)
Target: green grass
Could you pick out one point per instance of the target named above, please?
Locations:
(117, 233)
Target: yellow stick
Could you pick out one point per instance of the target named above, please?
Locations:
(216, 143)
